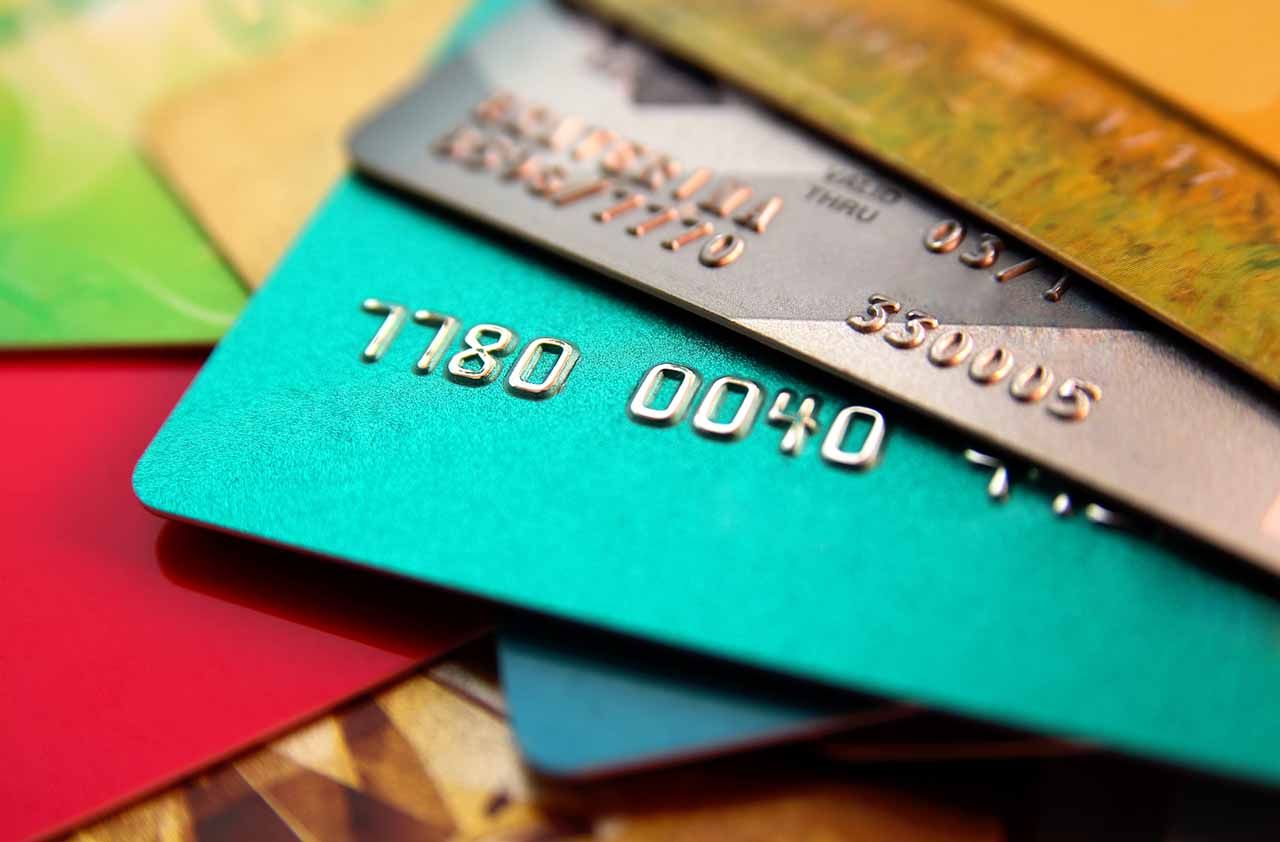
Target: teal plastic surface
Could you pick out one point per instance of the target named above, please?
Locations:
(904, 580)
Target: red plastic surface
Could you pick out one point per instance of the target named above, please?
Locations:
(133, 650)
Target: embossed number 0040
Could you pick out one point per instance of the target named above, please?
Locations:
(836, 448)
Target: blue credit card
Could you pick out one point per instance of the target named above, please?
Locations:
(311, 426)
(583, 706)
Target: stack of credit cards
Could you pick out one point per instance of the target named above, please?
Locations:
(645, 420)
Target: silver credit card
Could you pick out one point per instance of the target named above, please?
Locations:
(561, 131)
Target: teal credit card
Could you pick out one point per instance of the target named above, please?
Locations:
(901, 578)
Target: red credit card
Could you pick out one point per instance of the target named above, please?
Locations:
(134, 650)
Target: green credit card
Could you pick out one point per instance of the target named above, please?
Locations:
(666, 513)
(93, 249)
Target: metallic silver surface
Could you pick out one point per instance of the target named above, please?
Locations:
(866, 456)
(798, 426)
(704, 420)
(386, 333)
(446, 328)
(998, 487)
(502, 341)
(1176, 434)
(518, 381)
(673, 413)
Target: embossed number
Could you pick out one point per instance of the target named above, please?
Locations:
(1074, 399)
(740, 424)
(865, 456)
(395, 315)
(1031, 383)
(913, 331)
(798, 426)
(944, 237)
(991, 365)
(675, 409)
(446, 328)
(503, 339)
(551, 384)
(879, 308)
(951, 348)
(989, 248)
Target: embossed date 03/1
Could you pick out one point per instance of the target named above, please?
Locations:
(478, 361)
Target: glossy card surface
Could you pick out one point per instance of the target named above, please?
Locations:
(1030, 135)
(728, 546)
(137, 650)
(94, 249)
(611, 155)
(252, 152)
(1212, 59)
(583, 706)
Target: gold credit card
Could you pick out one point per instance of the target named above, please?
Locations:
(1216, 60)
(421, 761)
(253, 152)
(1106, 178)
